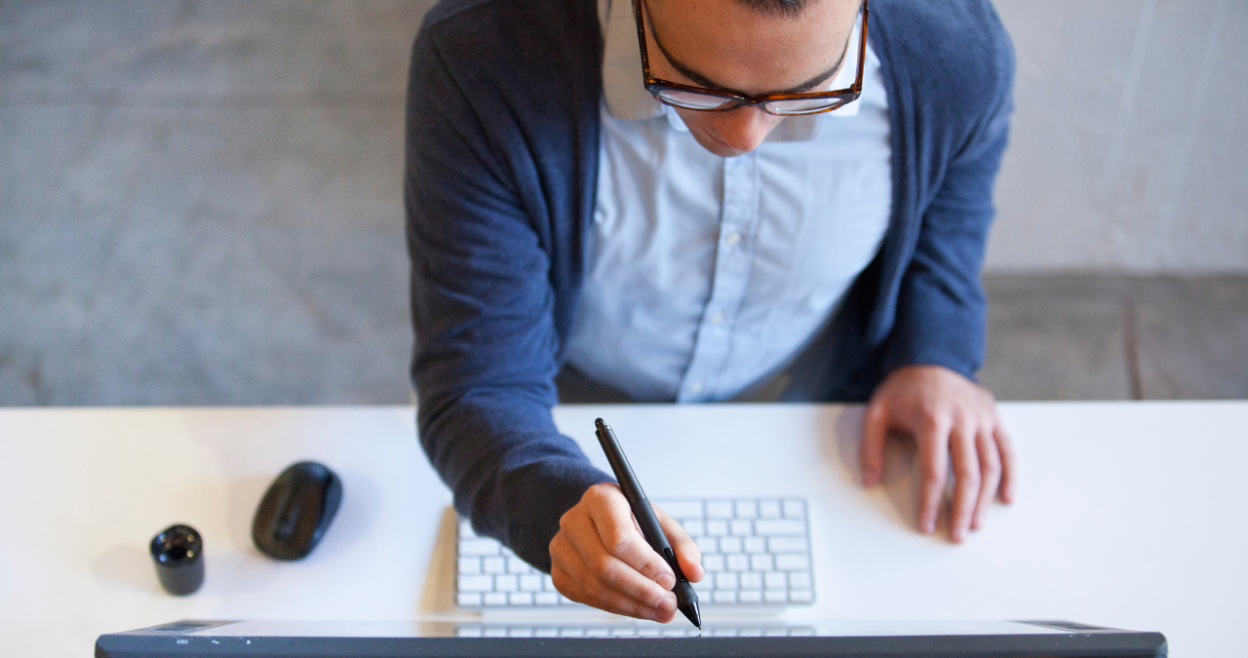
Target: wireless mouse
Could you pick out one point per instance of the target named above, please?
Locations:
(296, 511)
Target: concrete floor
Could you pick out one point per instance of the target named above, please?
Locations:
(200, 204)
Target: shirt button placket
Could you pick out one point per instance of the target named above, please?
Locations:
(733, 259)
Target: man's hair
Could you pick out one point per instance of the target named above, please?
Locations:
(790, 8)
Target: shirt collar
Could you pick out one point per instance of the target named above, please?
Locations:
(627, 99)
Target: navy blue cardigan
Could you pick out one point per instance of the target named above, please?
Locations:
(501, 166)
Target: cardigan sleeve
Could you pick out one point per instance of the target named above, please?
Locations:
(941, 307)
(482, 305)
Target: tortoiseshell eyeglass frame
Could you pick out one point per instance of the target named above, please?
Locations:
(733, 100)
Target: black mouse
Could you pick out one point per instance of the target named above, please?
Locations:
(296, 511)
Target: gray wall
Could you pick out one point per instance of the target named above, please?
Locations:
(1130, 144)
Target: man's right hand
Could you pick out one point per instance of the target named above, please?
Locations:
(600, 558)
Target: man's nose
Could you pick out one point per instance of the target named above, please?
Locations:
(745, 128)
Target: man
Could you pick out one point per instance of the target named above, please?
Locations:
(693, 235)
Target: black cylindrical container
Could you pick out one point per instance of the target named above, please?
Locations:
(178, 552)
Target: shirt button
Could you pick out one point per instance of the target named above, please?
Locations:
(732, 238)
(717, 318)
(695, 388)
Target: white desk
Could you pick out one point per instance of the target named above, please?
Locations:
(1129, 515)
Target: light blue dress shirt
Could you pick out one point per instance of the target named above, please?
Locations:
(707, 276)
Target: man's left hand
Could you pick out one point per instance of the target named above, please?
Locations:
(954, 421)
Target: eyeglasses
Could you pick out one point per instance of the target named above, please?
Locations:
(717, 100)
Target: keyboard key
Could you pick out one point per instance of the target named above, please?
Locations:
(779, 527)
(682, 509)
(801, 596)
(548, 583)
(776, 596)
(755, 545)
(571, 632)
(563, 600)
(505, 583)
(718, 528)
(705, 587)
(793, 563)
(721, 596)
(468, 631)
(747, 509)
(467, 598)
(730, 545)
(516, 565)
(794, 509)
(800, 580)
(476, 583)
(530, 583)
(495, 598)
(775, 580)
(751, 580)
(762, 562)
(707, 544)
(787, 544)
(495, 565)
(469, 565)
(546, 632)
(546, 598)
(494, 632)
(520, 598)
(719, 509)
(478, 547)
(769, 509)
(465, 529)
(712, 563)
(738, 562)
(725, 581)
(524, 631)
(750, 596)
(742, 528)
(694, 527)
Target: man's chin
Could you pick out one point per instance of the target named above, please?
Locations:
(715, 147)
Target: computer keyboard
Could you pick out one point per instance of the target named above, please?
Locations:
(632, 630)
(755, 551)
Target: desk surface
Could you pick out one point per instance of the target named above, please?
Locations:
(1129, 515)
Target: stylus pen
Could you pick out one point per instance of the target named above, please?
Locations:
(686, 599)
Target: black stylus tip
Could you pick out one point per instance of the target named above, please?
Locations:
(691, 612)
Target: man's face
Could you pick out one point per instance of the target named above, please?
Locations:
(725, 44)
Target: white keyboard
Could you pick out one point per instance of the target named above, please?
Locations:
(636, 630)
(756, 552)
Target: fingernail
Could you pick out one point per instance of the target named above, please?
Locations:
(666, 581)
(958, 535)
(668, 604)
(929, 527)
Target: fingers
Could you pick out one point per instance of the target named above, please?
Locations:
(990, 474)
(874, 433)
(966, 475)
(934, 460)
(577, 583)
(619, 535)
(603, 561)
(1009, 465)
(688, 555)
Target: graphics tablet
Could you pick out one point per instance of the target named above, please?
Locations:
(773, 639)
